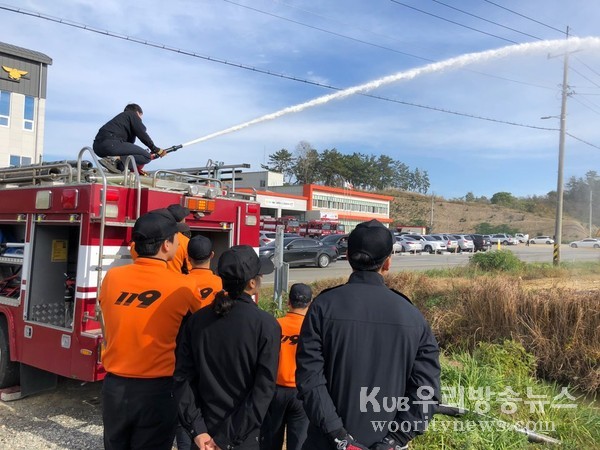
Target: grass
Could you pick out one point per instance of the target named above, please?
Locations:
(506, 369)
(496, 332)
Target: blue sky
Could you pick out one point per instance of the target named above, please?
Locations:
(337, 43)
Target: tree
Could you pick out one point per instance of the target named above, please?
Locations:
(469, 197)
(307, 163)
(332, 171)
(281, 161)
(503, 199)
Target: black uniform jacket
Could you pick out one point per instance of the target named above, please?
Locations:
(226, 371)
(125, 127)
(362, 346)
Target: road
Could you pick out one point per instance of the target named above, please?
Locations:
(403, 262)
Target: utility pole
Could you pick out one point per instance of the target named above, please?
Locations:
(591, 191)
(561, 159)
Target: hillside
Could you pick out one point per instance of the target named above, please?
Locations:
(455, 216)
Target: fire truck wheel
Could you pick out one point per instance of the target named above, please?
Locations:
(9, 370)
(323, 260)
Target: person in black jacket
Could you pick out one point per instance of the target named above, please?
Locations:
(227, 359)
(117, 137)
(368, 370)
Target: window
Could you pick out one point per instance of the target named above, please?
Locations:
(4, 108)
(17, 161)
(28, 113)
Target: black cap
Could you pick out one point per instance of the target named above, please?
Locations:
(241, 263)
(154, 227)
(181, 227)
(199, 248)
(371, 239)
(178, 211)
(300, 295)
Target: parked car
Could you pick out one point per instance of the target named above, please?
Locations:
(481, 242)
(302, 251)
(449, 240)
(340, 241)
(541, 240)
(407, 244)
(430, 244)
(522, 237)
(590, 242)
(503, 238)
(465, 242)
(266, 237)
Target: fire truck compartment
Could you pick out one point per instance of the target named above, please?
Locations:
(53, 263)
(12, 245)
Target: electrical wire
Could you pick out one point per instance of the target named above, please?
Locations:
(585, 103)
(452, 21)
(584, 77)
(525, 17)
(254, 69)
(487, 20)
(326, 31)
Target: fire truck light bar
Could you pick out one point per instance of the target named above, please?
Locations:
(200, 204)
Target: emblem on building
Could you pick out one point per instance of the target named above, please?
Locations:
(14, 74)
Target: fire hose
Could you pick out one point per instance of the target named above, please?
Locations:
(532, 436)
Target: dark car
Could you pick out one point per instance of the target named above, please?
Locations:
(303, 251)
(481, 242)
(340, 241)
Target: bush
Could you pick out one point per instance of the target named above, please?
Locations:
(498, 261)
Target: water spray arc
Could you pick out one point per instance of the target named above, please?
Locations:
(451, 63)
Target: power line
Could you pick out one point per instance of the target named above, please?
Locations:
(586, 105)
(266, 72)
(486, 20)
(326, 31)
(584, 77)
(452, 21)
(578, 59)
(524, 16)
(581, 140)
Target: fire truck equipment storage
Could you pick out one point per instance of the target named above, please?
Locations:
(62, 226)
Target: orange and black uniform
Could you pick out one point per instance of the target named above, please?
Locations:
(179, 263)
(285, 410)
(143, 306)
(207, 283)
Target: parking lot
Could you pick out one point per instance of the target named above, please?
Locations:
(425, 261)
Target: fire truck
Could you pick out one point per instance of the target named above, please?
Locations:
(62, 226)
(320, 228)
(291, 224)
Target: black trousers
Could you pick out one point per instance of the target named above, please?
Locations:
(114, 147)
(138, 413)
(285, 411)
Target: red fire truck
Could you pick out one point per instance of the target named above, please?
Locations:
(320, 228)
(290, 224)
(62, 226)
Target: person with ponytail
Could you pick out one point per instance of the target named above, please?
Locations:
(227, 359)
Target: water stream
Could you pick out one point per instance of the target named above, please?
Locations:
(572, 44)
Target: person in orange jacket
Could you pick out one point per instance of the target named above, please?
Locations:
(179, 263)
(143, 306)
(200, 254)
(286, 412)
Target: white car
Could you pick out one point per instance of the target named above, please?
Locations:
(407, 244)
(431, 244)
(503, 238)
(522, 238)
(590, 242)
(465, 242)
(541, 240)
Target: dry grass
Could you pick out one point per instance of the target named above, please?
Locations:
(559, 326)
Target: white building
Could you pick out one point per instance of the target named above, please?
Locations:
(23, 78)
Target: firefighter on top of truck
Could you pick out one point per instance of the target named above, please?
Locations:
(143, 306)
(117, 136)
